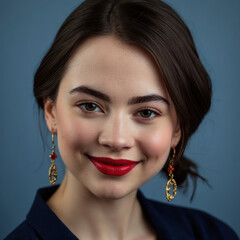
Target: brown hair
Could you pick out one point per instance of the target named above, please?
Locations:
(157, 28)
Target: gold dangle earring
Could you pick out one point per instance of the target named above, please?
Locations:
(171, 181)
(52, 173)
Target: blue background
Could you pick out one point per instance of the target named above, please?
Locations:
(27, 28)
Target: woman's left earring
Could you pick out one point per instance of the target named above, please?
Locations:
(171, 180)
(52, 173)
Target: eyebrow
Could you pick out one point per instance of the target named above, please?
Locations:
(133, 100)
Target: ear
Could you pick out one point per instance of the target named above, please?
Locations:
(50, 114)
(176, 136)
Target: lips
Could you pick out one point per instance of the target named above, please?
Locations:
(113, 167)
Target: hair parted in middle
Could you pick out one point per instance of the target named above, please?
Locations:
(158, 29)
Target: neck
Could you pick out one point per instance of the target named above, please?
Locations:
(90, 217)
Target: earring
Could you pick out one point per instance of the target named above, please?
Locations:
(52, 173)
(171, 181)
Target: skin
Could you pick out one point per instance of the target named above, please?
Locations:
(91, 204)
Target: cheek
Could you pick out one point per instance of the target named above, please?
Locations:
(156, 143)
(74, 134)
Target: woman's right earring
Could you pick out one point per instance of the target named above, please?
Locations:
(52, 173)
(171, 181)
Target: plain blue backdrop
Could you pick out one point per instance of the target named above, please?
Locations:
(27, 28)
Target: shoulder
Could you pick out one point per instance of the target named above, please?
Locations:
(22, 232)
(201, 223)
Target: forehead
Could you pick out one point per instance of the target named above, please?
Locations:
(115, 67)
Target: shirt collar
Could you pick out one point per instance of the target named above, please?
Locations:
(49, 226)
(156, 216)
(43, 219)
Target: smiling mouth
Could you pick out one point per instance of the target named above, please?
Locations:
(113, 167)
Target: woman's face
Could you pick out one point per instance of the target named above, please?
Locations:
(111, 103)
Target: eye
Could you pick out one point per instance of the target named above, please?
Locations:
(147, 114)
(89, 107)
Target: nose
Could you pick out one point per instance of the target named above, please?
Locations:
(116, 134)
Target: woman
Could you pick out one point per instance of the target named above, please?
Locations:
(122, 89)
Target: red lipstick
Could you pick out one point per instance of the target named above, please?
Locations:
(113, 167)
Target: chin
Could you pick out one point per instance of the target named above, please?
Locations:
(112, 192)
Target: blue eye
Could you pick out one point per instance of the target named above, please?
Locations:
(147, 113)
(89, 107)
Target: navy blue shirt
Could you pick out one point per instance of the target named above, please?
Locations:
(169, 222)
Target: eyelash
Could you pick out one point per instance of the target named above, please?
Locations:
(148, 109)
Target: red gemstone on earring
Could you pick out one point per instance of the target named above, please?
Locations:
(53, 156)
(171, 169)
